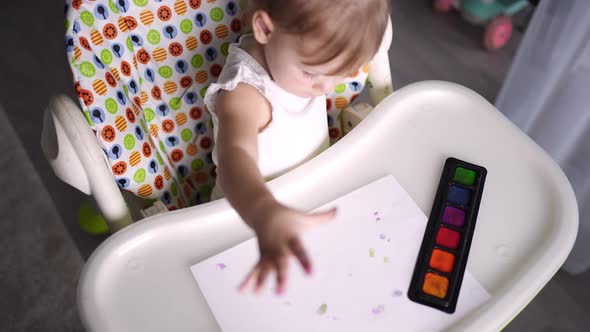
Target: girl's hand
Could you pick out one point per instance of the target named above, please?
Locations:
(278, 229)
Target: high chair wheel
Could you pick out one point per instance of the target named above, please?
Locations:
(498, 32)
(90, 220)
(352, 115)
(443, 6)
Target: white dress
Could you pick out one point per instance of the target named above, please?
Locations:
(298, 130)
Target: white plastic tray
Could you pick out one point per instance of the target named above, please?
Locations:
(139, 279)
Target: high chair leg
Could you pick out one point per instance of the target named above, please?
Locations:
(352, 115)
(379, 83)
(73, 152)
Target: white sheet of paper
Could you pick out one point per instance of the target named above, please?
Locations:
(363, 262)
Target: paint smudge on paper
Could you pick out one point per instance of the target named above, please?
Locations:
(371, 252)
(322, 309)
(397, 293)
(376, 215)
(378, 310)
(221, 266)
(385, 259)
(382, 236)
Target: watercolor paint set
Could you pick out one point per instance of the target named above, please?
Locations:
(442, 259)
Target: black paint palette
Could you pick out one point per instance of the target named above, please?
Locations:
(442, 260)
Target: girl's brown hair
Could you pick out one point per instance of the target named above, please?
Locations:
(351, 27)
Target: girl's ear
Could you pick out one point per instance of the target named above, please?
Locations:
(262, 26)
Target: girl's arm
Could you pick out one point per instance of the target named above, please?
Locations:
(242, 113)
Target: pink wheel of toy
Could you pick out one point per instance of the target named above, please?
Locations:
(443, 6)
(498, 32)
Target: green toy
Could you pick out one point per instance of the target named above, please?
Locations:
(495, 15)
(90, 220)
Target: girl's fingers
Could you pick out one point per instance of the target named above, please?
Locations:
(282, 269)
(323, 217)
(297, 249)
(265, 268)
(319, 218)
(250, 278)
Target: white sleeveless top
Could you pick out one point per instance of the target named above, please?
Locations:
(298, 130)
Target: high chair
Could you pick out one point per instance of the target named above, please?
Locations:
(139, 279)
(141, 69)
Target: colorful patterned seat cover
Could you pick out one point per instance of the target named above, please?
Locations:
(141, 69)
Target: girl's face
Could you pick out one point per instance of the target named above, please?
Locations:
(287, 68)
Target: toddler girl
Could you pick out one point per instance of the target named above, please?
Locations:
(269, 111)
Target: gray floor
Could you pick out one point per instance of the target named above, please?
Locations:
(44, 248)
(39, 265)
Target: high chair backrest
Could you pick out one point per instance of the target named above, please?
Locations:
(141, 69)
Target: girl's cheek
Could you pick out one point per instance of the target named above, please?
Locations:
(300, 79)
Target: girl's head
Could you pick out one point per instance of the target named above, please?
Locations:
(312, 45)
